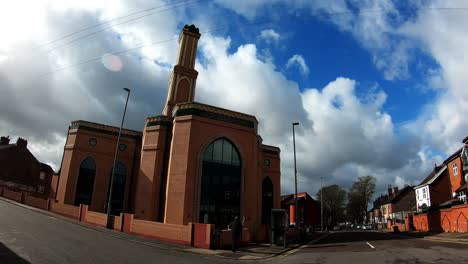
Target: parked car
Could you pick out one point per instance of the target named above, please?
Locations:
(366, 227)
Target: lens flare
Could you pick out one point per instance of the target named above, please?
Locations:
(112, 62)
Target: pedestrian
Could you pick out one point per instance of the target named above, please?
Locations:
(236, 230)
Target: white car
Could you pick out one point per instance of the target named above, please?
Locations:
(366, 227)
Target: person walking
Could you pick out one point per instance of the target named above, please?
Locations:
(236, 230)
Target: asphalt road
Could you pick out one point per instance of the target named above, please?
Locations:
(30, 237)
(377, 247)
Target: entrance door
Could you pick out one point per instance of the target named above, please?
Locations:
(220, 185)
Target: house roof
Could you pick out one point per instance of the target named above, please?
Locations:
(46, 168)
(7, 146)
(438, 170)
(453, 156)
(397, 197)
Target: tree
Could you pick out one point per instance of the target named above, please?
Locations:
(359, 197)
(334, 200)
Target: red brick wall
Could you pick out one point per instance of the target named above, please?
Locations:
(455, 180)
(179, 234)
(202, 235)
(12, 195)
(37, 202)
(454, 219)
(440, 190)
(77, 149)
(65, 210)
(95, 218)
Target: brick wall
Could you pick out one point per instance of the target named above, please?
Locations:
(65, 210)
(95, 218)
(454, 219)
(37, 202)
(12, 195)
(179, 234)
(197, 235)
(202, 235)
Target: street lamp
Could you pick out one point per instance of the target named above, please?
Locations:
(295, 175)
(109, 202)
(321, 204)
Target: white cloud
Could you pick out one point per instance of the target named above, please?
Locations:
(342, 134)
(300, 62)
(270, 36)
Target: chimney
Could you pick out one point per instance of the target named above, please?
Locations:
(390, 191)
(4, 140)
(395, 190)
(22, 143)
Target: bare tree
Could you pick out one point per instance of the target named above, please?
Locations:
(334, 200)
(360, 196)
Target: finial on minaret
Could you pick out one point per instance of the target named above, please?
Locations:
(184, 76)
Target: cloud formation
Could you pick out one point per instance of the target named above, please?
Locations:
(299, 61)
(343, 133)
(270, 36)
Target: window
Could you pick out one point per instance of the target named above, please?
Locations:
(417, 194)
(455, 168)
(40, 189)
(424, 193)
(92, 142)
(42, 176)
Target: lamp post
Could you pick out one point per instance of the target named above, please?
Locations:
(109, 202)
(321, 204)
(295, 175)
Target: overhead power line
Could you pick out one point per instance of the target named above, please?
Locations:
(142, 46)
(118, 24)
(107, 22)
(244, 25)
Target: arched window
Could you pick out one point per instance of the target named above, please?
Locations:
(220, 184)
(118, 189)
(267, 200)
(85, 183)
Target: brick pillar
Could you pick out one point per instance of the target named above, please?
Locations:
(127, 220)
(23, 197)
(83, 212)
(292, 214)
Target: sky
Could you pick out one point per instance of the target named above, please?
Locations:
(378, 87)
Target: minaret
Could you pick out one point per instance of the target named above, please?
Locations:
(184, 76)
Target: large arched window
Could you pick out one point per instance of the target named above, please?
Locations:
(220, 184)
(267, 200)
(85, 183)
(118, 189)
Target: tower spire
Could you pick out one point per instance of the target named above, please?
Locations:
(184, 76)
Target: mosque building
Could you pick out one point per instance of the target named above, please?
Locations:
(194, 163)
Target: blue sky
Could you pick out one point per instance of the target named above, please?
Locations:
(379, 93)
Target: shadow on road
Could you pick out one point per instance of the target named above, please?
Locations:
(357, 236)
(9, 257)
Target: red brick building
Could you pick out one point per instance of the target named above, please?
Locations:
(20, 170)
(434, 190)
(457, 165)
(194, 163)
(308, 209)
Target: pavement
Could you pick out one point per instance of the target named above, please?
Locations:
(451, 237)
(7, 221)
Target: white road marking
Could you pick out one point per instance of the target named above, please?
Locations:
(369, 245)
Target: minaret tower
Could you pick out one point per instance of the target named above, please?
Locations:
(184, 76)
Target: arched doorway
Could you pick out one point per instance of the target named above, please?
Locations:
(220, 184)
(267, 200)
(118, 189)
(85, 184)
